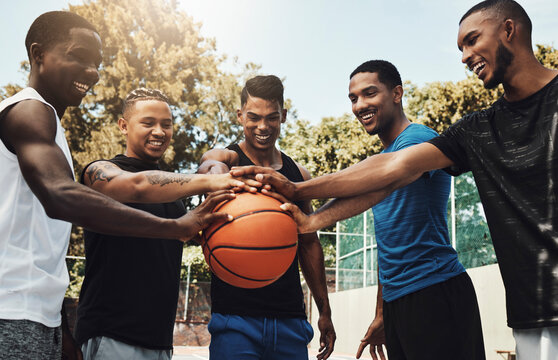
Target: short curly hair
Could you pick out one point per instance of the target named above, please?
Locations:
(54, 27)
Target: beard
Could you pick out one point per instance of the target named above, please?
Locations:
(504, 58)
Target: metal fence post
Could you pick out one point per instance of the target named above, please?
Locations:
(337, 256)
(186, 296)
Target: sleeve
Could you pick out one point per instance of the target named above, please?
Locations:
(452, 144)
(417, 134)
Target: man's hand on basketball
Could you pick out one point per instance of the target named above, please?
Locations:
(201, 217)
(227, 181)
(268, 179)
(304, 222)
(376, 338)
(327, 337)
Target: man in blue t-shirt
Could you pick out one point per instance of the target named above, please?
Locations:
(427, 307)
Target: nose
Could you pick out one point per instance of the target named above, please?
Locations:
(92, 73)
(158, 131)
(465, 56)
(358, 105)
(262, 124)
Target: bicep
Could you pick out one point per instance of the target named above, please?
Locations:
(31, 128)
(418, 159)
(105, 177)
(217, 161)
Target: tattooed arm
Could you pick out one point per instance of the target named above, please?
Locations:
(152, 186)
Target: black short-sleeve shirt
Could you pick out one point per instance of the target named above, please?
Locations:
(511, 148)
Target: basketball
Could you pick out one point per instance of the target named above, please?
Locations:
(255, 248)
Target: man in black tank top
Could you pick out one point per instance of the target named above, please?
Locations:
(128, 300)
(269, 322)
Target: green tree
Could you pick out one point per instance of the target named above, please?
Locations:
(333, 144)
(155, 44)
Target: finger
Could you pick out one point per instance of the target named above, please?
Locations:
(380, 350)
(214, 199)
(361, 348)
(275, 195)
(216, 217)
(251, 182)
(238, 171)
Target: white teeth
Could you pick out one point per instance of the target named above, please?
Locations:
(478, 67)
(156, 143)
(81, 87)
(368, 116)
(262, 137)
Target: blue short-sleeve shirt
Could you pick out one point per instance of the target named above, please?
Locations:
(414, 249)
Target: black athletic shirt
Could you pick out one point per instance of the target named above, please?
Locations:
(283, 298)
(512, 150)
(130, 291)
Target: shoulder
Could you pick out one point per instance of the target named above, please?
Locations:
(414, 134)
(223, 155)
(28, 120)
(303, 171)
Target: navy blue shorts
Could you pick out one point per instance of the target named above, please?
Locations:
(236, 337)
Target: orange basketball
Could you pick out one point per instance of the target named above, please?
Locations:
(255, 248)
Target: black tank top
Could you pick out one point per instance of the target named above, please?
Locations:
(130, 290)
(284, 297)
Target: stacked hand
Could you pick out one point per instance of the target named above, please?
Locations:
(202, 216)
(267, 179)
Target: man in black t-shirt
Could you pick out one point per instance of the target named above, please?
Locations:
(511, 150)
(269, 322)
(128, 300)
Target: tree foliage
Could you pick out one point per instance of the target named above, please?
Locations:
(155, 44)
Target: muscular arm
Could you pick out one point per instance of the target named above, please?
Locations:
(311, 257)
(29, 128)
(152, 186)
(382, 172)
(218, 161)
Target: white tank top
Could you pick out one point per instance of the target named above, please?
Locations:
(33, 274)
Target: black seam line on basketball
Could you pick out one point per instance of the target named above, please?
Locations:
(243, 215)
(253, 248)
(238, 275)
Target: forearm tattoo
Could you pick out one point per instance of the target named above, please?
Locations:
(168, 178)
(97, 173)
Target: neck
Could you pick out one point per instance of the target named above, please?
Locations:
(527, 76)
(37, 85)
(150, 161)
(399, 124)
(270, 157)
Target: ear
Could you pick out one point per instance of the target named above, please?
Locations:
(239, 116)
(283, 115)
(37, 53)
(510, 29)
(397, 94)
(123, 125)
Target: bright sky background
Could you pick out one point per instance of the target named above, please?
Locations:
(313, 44)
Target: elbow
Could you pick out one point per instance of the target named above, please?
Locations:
(55, 200)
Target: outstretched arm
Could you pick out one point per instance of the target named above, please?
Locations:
(218, 161)
(153, 186)
(311, 257)
(333, 211)
(29, 129)
(382, 172)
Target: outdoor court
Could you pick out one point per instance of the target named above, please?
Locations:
(202, 353)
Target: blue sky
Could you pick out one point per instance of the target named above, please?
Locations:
(313, 44)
